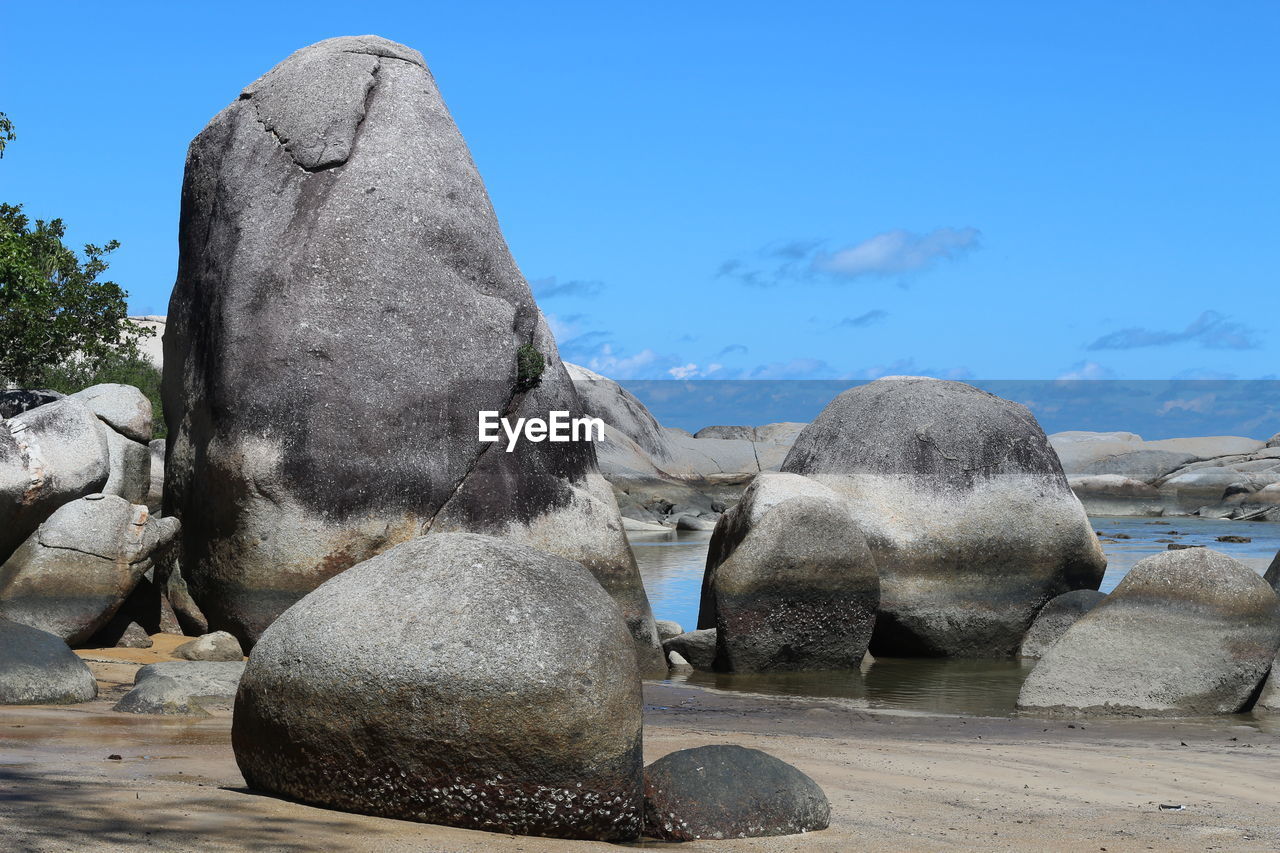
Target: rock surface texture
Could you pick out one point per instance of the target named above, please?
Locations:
(72, 575)
(37, 668)
(964, 506)
(344, 295)
(729, 792)
(790, 582)
(505, 697)
(1186, 633)
(1056, 617)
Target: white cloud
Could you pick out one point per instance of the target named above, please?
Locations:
(896, 252)
(907, 367)
(1087, 370)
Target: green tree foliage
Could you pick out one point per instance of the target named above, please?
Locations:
(6, 132)
(57, 320)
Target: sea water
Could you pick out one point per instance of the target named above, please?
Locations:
(671, 565)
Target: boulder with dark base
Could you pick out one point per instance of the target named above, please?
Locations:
(720, 792)
(455, 679)
(1056, 617)
(1186, 633)
(182, 688)
(790, 582)
(37, 668)
(73, 574)
(964, 506)
(345, 307)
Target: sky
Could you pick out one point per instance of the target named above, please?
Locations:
(747, 190)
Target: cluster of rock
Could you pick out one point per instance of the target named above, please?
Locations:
(1118, 473)
(343, 284)
(914, 517)
(80, 545)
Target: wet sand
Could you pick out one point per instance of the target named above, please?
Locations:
(897, 781)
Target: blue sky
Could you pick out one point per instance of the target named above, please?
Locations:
(748, 190)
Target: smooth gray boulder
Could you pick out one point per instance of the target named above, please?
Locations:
(1185, 633)
(790, 583)
(694, 523)
(49, 455)
(345, 307)
(1274, 441)
(130, 462)
(668, 629)
(607, 400)
(964, 505)
(217, 646)
(696, 647)
(134, 636)
(1272, 575)
(1056, 617)
(76, 570)
(38, 668)
(455, 679)
(182, 688)
(124, 413)
(727, 791)
(123, 408)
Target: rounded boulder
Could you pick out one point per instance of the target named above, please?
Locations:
(790, 583)
(38, 668)
(729, 792)
(1186, 633)
(457, 679)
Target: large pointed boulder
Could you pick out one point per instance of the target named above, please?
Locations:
(345, 309)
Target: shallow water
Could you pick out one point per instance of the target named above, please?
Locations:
(671, 565)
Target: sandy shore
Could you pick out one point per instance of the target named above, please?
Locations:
(896, 781)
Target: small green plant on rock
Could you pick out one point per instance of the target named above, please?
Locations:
(529, 366)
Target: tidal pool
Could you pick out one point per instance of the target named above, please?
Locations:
(671, 565)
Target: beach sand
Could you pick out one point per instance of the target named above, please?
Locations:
(896, 781)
